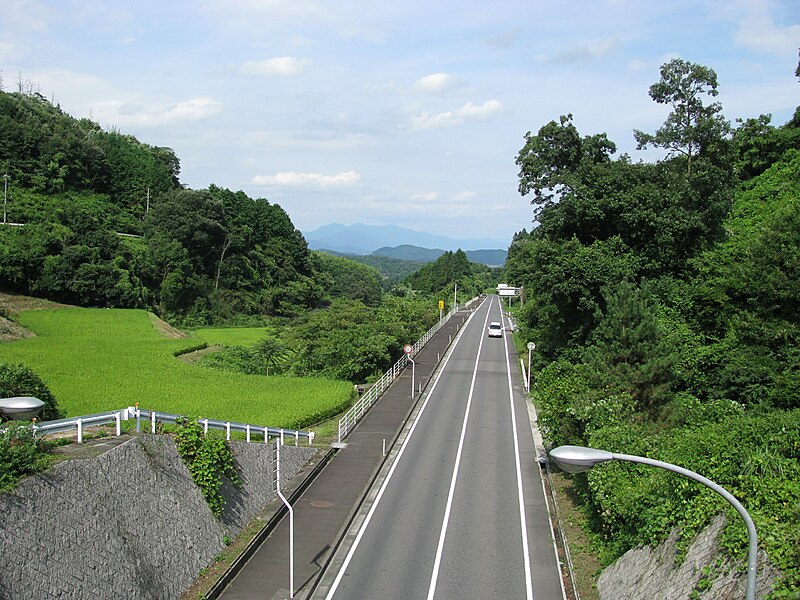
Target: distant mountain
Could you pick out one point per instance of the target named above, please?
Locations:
(409, 252)
(394, 270)
(365, 239)
(492, 258)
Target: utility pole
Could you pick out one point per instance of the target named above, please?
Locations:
(5, 198)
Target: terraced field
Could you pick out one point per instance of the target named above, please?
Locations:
(101, 359)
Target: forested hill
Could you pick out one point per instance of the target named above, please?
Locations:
(663, 300)
(46, 151)
(200, 255)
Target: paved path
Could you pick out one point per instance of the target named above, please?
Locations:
(328, 504)
(460, 514)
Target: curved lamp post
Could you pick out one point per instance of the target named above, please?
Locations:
(575, 459)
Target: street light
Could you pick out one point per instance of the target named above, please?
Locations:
(575, 459)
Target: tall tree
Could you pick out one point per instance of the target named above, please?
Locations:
(692, 125)
(557, 161)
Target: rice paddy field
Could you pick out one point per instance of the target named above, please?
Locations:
(233, 336)
(95, 360)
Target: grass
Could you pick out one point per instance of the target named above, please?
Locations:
(95, 360)
(585, 562)
(234, 336)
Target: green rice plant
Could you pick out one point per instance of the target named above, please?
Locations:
(95, 360)
(234, 336)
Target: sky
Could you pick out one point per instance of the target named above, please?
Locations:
(405, 112)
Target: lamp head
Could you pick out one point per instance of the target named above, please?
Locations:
(576, 459)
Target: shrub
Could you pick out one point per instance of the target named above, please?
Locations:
(208, 460)
(19, 380)
(20, 454)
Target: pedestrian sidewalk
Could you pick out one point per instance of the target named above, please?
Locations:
(325, 509)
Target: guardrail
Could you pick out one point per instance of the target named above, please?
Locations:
(154, 417)
(80, 423)
(363, 404)
(227, 426)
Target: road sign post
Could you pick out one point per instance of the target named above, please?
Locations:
(408, 349)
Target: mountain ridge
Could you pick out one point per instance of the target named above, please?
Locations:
(359, 238)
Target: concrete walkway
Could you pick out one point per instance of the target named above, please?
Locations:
(324, 511)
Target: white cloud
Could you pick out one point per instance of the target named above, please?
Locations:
(465, 195)
(636, 65)
(279, 65)
(316, 180)
(760, 33)
(584, 52)
(469, 111)
(436, 83)
(504, 40)
(131, 114)
(22, 22)
(426, 196)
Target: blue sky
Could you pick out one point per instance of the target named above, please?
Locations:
(408, 113)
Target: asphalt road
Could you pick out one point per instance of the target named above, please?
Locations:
(460, 513)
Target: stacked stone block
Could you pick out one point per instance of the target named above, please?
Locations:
(129, 523)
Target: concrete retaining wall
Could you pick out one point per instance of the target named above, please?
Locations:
(127, 524)
(646, 573)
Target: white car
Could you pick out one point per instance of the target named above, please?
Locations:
(495, 329)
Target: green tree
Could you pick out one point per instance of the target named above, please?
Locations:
(272, 353)
(692, 126)
(558, 161)
(349, 279)
(563, 287)
(627, 351)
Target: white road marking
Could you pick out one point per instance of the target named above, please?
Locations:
(522, 520)
(385, 484)
(443, 532)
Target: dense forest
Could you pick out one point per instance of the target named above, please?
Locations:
(97, 218)
(663, 300)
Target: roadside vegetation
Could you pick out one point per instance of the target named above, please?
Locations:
(662, 298)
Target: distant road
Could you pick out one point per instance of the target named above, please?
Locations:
(461, 513)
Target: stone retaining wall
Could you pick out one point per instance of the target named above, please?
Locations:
(127, 524)
(646, 573)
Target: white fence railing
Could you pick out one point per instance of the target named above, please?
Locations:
(153, 417)
(363, 404)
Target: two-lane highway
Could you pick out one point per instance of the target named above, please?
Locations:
(460, 513)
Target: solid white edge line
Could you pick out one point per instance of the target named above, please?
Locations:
(385, 484)
(443, 532)
(522, 520)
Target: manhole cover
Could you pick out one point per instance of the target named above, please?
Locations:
(321, 504)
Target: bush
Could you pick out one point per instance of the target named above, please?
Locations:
(754, 457)
(19, 380)
(20, 455)
(208, 460)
